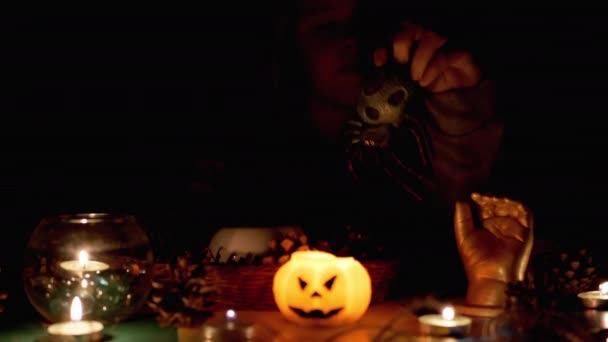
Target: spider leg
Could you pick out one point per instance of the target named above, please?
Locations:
(406, 177)
(402, 184)
(410, 172)
(353, 133)
(355, 123)
(354, 163)
(420, 144)
(376, 155)
(419, 132)
(351, 170)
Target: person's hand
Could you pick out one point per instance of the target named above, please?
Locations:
(496, 253)
(433, 69)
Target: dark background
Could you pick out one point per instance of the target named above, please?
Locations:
(115, 112)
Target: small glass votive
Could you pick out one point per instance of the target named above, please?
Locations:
(228, 329)
(105, 259)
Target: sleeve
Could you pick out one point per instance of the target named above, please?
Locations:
(466, 135)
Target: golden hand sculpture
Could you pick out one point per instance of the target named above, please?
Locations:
(497, 251)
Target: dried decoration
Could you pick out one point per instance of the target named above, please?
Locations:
(181, 294)
(279, 251)
(348, 240)
(554, 280)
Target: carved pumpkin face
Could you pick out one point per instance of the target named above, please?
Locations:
(318, 288)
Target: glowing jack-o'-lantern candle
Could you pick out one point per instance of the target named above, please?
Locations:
(319, 288)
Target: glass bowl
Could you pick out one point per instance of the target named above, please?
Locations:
(105, 259)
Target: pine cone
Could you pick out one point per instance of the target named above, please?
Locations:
(180, 294)
(572, 273)
(559, 277)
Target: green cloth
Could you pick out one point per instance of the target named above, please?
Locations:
(130, 331)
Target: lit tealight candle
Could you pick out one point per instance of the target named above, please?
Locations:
(77, 328)
(231, 329)
(445, 324)
(595, 299)
(83, 264)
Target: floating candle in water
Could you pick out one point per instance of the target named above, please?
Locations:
(85, 330)
(595, 299)
(446, 324)
(83, 264)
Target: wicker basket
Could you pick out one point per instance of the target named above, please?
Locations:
(249, 287)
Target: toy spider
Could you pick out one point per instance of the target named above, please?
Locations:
(384, 134)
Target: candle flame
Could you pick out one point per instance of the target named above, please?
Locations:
(230, 314)
(604, 288)
(76, 309)
(83, 258)
(448, 313)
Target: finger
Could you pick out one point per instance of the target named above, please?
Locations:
(506, 227)
(438, 85)
(434, 70)
(403, 42)
(352, 132)
(479, 198)
(485, 200)
(468, 72)
(380, 57)
(461, 72)
(464, 224)
(505, 207)
(429, 43)
(529, 220)
(502, 207)
(519, 211)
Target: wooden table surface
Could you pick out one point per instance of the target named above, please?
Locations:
(276, 328)
(269, 326)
